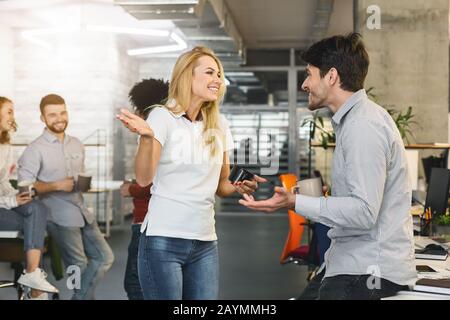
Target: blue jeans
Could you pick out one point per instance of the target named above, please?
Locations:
(86, 248)
(131, 281)
(31, 219)
(175, 269)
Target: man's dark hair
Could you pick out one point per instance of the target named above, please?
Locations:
(146, 93)
(50, 99)
(346, 54)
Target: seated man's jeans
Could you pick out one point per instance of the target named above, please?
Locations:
(175, 269)
(131, 281)
(86, 248)
(350, 287)
(31, 219)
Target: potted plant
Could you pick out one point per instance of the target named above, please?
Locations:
(317, 122)
(403, 119)
(441, 225)
(326, 136)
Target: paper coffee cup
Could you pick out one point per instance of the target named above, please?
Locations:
(310, 187)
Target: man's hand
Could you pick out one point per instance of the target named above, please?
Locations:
(125, 189)
(249, 186)
(135, 123)
(280, 199)
(23, 198)
(65, 185)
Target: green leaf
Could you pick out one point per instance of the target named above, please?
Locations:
(321, 121)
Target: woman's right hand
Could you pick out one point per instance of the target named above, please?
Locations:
(23, 198)
(125, 189)
(135, 123)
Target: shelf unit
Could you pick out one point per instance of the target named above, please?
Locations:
(99, 191)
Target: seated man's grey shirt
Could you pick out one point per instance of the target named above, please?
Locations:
(48, 160)
(369, 210)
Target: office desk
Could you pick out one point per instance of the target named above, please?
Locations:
(442, 268)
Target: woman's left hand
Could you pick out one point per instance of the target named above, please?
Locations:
(248, 186)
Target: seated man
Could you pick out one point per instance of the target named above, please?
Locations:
(53, 160)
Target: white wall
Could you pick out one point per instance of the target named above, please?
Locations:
(92, 73)
(159, 68)
(6, 62)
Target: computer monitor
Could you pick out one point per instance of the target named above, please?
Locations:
(437, 193)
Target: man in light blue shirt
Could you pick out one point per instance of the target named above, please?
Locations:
(372, 250)
(51, 162)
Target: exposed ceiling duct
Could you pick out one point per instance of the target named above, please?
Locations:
(203, 22)
(251, 33)
(162, 9)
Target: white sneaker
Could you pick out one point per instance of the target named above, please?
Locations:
(36, 280)
(42, 296)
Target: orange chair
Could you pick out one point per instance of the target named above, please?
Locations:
(294, 251)
(296, 223)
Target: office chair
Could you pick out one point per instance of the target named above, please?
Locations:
(293, 250)
(11, 251)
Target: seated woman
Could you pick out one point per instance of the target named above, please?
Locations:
(19, 212)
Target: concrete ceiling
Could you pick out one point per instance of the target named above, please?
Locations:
(235, 26)
(278, 24)
(23, 15)
(251, 32)
(241, 32)
(229, 27)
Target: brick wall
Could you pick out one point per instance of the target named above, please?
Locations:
(6, 62)
(93, 73)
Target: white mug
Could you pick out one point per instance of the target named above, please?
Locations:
(26, 187)
(310, 187)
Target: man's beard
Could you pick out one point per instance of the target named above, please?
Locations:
(53, 129)
(316, 106)
(318, 102)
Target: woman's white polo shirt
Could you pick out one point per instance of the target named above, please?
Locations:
(186, 179)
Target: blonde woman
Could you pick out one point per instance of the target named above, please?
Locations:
(183, 150)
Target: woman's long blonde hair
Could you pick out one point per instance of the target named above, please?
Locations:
(5, 137)
(180, 93)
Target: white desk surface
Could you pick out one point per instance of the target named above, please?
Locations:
(415, 295)
(442, 268)
(109, 184)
